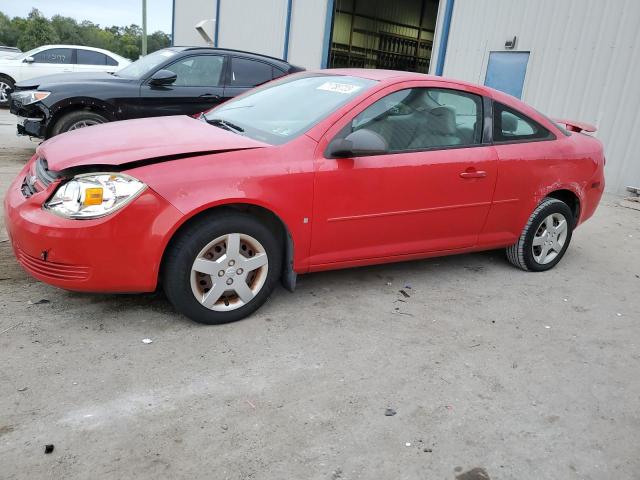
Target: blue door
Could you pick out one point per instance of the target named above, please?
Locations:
(506, 71)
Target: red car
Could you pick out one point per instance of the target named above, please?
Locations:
(315, 171)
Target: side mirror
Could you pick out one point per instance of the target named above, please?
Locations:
(360, 143)
(29, 60)
(163, 77)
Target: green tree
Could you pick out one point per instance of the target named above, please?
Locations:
(67, 29)
(38, 31)
(10, 29)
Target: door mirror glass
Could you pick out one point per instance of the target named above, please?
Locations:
(163, 77)
(29, 60)
(360, 143)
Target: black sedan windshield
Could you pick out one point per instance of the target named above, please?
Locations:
(284, 109)
(144, 65)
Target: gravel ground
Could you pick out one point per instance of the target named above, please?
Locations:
(492, 372)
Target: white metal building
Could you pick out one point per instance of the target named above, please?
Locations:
(574, 59)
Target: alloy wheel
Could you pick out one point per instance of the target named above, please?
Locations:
(4, 96)
(229, 272)
(549, 238)
(83, 123)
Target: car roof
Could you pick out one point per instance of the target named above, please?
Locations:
(382, 75)
(83, 47)
(232, 51)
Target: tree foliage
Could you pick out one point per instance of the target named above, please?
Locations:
(37, 30)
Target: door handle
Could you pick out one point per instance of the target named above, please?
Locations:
(473, 174)
(210, 95)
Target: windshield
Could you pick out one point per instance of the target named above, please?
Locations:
(286, 108)
(144, 65)
(30, 53)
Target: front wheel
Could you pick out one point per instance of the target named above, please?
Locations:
(6, 86)
(222, 268)
(545, 238)
(76, 120)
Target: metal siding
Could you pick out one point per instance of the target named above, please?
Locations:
(186, 14)
(584, 64)
(306, 37)
(253, 25)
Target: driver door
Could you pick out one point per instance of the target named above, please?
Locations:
(199, 86)
(430, 193)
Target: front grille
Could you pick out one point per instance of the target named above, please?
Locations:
(39, 178)
(45, 176)
(56, 271)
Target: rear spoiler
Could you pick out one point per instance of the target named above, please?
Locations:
(576, 126)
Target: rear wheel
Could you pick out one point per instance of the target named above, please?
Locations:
(545, 237)
(76, 120)
(222, 268)
(6, 86)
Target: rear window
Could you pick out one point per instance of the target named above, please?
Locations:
(509, 125)
(89, 57)
(249, 73)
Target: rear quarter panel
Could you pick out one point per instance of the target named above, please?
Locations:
(528, 172)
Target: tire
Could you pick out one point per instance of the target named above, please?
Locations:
(528, 253)
(210, 243)
(75, 120)
(6, 83)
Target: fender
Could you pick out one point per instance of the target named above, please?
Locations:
(76, 103)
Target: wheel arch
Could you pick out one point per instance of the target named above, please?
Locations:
(260, 212)
(78, 103)
(6, 75)
(571, 199)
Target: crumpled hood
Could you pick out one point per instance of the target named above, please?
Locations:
(119, 143)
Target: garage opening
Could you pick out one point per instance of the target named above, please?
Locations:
(396, 35)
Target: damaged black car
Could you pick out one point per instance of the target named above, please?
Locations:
(172, 81)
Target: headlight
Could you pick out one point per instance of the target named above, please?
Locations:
(94, 195)
(30, 96)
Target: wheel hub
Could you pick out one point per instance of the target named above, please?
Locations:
(229, 272)
(549, 238)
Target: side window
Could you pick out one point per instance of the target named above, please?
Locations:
(512, 126)
(54, 55)
(248, 73)
(277, 73)
(111, 61)
(424, 118)
(198, 71)
(89, 57)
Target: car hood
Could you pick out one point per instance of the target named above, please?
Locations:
(58, 78)
(148, 139)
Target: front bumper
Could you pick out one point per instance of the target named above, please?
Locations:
(121, 252)
(32, 119)
(33, 127)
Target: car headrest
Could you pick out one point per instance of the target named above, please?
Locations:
(509, 122)
(443, 120)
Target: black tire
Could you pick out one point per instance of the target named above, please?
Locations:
(10, 84)
(521, 253)
(184, 249)
(66, 121)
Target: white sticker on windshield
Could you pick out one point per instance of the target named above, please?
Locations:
(339, 87)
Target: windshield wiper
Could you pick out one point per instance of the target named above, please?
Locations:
(218, 122)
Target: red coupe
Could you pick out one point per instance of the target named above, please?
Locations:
(315, 171)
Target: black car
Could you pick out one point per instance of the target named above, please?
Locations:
(172, 81)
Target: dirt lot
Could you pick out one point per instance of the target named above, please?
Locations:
(526, 376)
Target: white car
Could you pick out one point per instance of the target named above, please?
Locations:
(51, 59)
